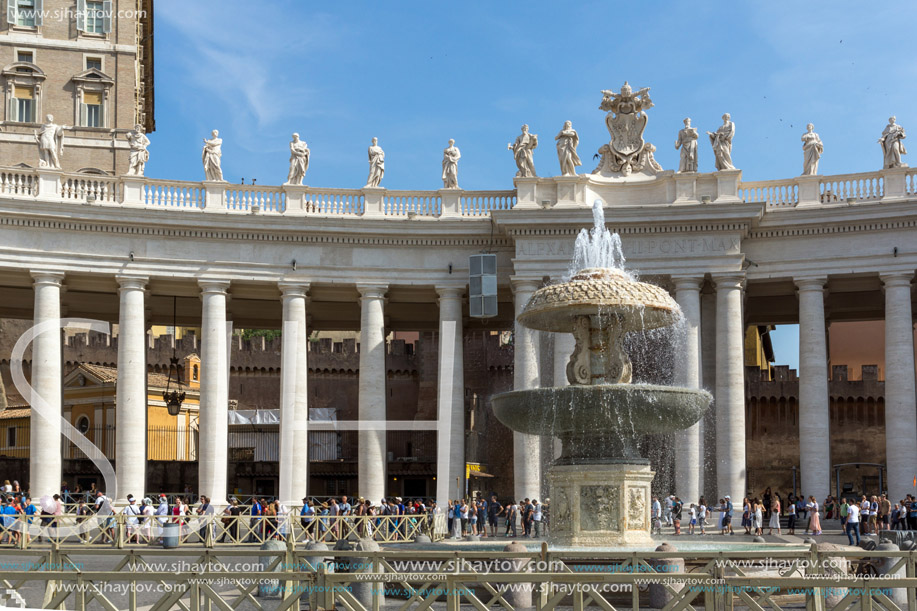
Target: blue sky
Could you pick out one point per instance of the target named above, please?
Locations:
(416, 74)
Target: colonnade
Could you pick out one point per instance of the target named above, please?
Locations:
(814, 404)
(131, 429)
(693, 368)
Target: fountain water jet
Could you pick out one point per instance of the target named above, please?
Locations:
(600, 485)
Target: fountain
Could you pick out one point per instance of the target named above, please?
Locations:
(600, 485)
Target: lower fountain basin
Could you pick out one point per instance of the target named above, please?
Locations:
(601, 423)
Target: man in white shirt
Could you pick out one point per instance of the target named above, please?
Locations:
(537, 517)
(853, 524)
(669, 503)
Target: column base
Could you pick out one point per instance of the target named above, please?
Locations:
(600, 505)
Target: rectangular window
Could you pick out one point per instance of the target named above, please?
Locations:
(93, 16)
(25, 56)
(24, 13)
(11, 436)
(22, 105)
(94, 62)
(92, 109)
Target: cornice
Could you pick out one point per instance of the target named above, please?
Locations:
(474, 233)
(826, 220)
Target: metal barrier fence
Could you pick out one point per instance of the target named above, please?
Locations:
(121, 530)
(282, 579)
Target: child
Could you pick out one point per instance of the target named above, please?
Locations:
(692, 512)
(702, 517)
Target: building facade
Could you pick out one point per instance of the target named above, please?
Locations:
(89, 64)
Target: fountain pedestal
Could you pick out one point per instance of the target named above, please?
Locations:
(600, 504)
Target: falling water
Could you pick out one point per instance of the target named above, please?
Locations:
(597, 247)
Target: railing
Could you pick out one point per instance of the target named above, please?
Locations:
(482, 203)
(847, 187)
(255, 198)
(103, 437)
(173, 194)
(89, 188)
(121, 529)
(18, 183)
(419, 203)
(780, 578)
(334, 201)
(293, 200)
(775, 193)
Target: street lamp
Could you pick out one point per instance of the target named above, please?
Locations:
(173, 398)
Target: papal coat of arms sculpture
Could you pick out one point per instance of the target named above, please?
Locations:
(626, 120)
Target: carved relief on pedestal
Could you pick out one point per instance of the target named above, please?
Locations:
(599, 508)
(636, 509)
(561, 518)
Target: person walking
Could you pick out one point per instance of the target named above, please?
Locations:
(814, 522)
(852, 527)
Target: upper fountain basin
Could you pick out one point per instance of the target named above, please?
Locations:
(604, 292)
(625, 408)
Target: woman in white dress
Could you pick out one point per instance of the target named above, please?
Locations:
(759, 517)
(775, 516)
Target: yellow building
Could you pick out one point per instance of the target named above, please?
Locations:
(90, 396)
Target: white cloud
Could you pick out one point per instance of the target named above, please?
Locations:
(247, 67)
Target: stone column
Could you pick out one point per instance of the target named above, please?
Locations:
(373, 459)
(814, 406)
(708, 379)
(526, 448)
(451, 396)
(564, 344)
(294, 397)
(214, 411)
(131, 401)
(730, 389)
(900, 410)
(689, 443)
(45, 432)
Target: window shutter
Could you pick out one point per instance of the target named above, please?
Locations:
(81, 15)
(12, 15)
(84, 120)
(106, 19)
(38, 9)
(102, 113)
(12, 109)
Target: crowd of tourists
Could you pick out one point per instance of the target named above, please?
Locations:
(481, 516)
(263, 518)
(858, 517)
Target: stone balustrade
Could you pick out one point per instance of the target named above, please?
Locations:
(668, 188)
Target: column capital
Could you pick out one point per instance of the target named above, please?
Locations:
(451, 292)
(811, 283)
(213, 286)
(726, 280)
(372, 290)
(128, 282)
(895, 279)
(522, 284)
(687, 282)
(292, 288)
(44, 277)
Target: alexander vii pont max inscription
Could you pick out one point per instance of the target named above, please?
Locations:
(639, 246)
